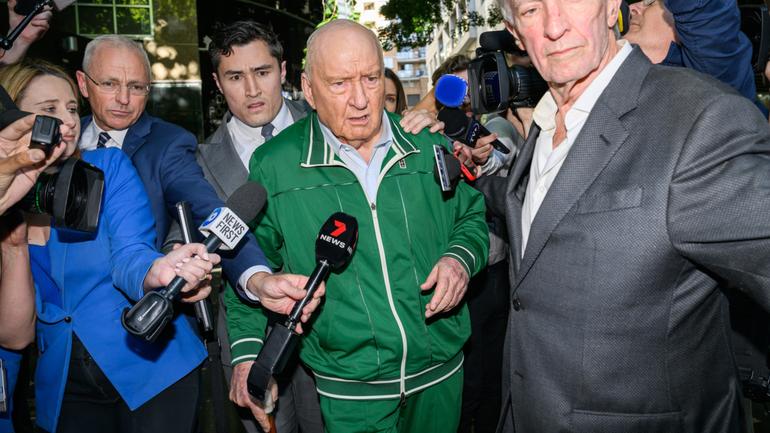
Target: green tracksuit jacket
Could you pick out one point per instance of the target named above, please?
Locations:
(370, 338)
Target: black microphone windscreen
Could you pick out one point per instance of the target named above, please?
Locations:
(24, 7)
(337, 240)
(455, 122)
(247, 200)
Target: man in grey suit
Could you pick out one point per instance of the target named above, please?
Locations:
(641, 196)
(249, 71)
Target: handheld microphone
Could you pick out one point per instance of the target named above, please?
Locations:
(26, 7)
(202, 307)
(466, 129)
(451, 90)
(148, 317)
(333, 249)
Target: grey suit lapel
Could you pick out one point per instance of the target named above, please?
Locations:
(222, 160)
(517, 185)
(601, 137)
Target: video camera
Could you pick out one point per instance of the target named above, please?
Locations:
(72, 195)
(493, 85)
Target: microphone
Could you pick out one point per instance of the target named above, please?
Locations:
(333, 249)
(466, 129)
(26, 7)
(451, 90)
(202, 307)
(148, 317)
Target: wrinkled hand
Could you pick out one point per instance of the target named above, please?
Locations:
(190, 262)
(239, 393)
(279, 293)
(36, 28)
(20, 166)
(450, 280)
(416, 120)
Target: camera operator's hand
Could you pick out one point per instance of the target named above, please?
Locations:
(415, 121)
(20, 166)
(521, 118)
(190, 262)
(33, 32)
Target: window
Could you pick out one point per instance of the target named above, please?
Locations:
(131, 18)
(369, 6)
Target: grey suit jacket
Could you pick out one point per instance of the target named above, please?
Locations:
(619, 321)
(219, 159)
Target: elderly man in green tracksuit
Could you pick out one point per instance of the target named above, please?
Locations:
(385, 347)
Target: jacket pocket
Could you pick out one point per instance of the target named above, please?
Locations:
(587, 421)
(626, 198)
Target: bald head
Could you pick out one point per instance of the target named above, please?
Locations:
(334, 34)
(344, 82)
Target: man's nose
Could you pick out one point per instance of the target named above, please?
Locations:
(252, 88)
(555, 24)
(122, 96)
(358, 97)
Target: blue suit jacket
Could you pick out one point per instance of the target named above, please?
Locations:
(84, 287)
(164, 156)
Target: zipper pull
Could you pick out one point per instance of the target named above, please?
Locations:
(373, 206)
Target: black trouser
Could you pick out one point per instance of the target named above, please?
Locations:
(92, 404)
(488, 306)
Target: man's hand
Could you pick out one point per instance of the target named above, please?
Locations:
(416, 120)
(239, 393)
(20, 166)
(451, 281)
(33, 32)
(190, 262)
(279, 293)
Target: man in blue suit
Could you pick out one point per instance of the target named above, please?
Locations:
(116, 81)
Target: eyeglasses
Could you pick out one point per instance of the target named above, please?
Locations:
(648, 2)
(113, 86)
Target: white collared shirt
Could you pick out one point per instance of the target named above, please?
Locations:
(247, 139)
(90, 137)
(547, 161)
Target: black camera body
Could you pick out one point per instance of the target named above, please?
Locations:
(45, 134)
(493, 85)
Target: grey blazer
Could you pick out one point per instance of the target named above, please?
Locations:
(619, 316)
(219, 159)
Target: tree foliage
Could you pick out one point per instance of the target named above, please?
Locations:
(412, 21)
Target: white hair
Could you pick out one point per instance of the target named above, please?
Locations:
(116, 41)
(507, 10)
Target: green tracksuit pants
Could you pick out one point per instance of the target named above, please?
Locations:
(433, 410)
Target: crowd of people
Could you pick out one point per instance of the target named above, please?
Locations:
(581, 283)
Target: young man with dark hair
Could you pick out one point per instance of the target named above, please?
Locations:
(249, 70)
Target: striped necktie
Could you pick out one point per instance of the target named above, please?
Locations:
(103, 139)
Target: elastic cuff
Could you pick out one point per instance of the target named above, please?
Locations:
(464, 256)
(245, 349)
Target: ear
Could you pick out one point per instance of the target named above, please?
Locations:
(307, 90)
(283, 71)
(216, 81)
(512, 29)
(81, 78)
(613, 9)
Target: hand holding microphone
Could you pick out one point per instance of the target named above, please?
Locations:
(148, 317)
(334, 248)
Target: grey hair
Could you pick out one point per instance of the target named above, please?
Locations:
(116, 41)
(332, 25)
(505, 7)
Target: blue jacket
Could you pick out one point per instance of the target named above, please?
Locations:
(83, 283)
(12, 361)
(711, 41)
(164, 156)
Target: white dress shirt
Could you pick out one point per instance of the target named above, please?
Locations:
(547, 161)
(247, 139)
(90, 137)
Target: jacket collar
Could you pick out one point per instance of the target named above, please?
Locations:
(135, 137)
(319, 153)
(599, 140)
